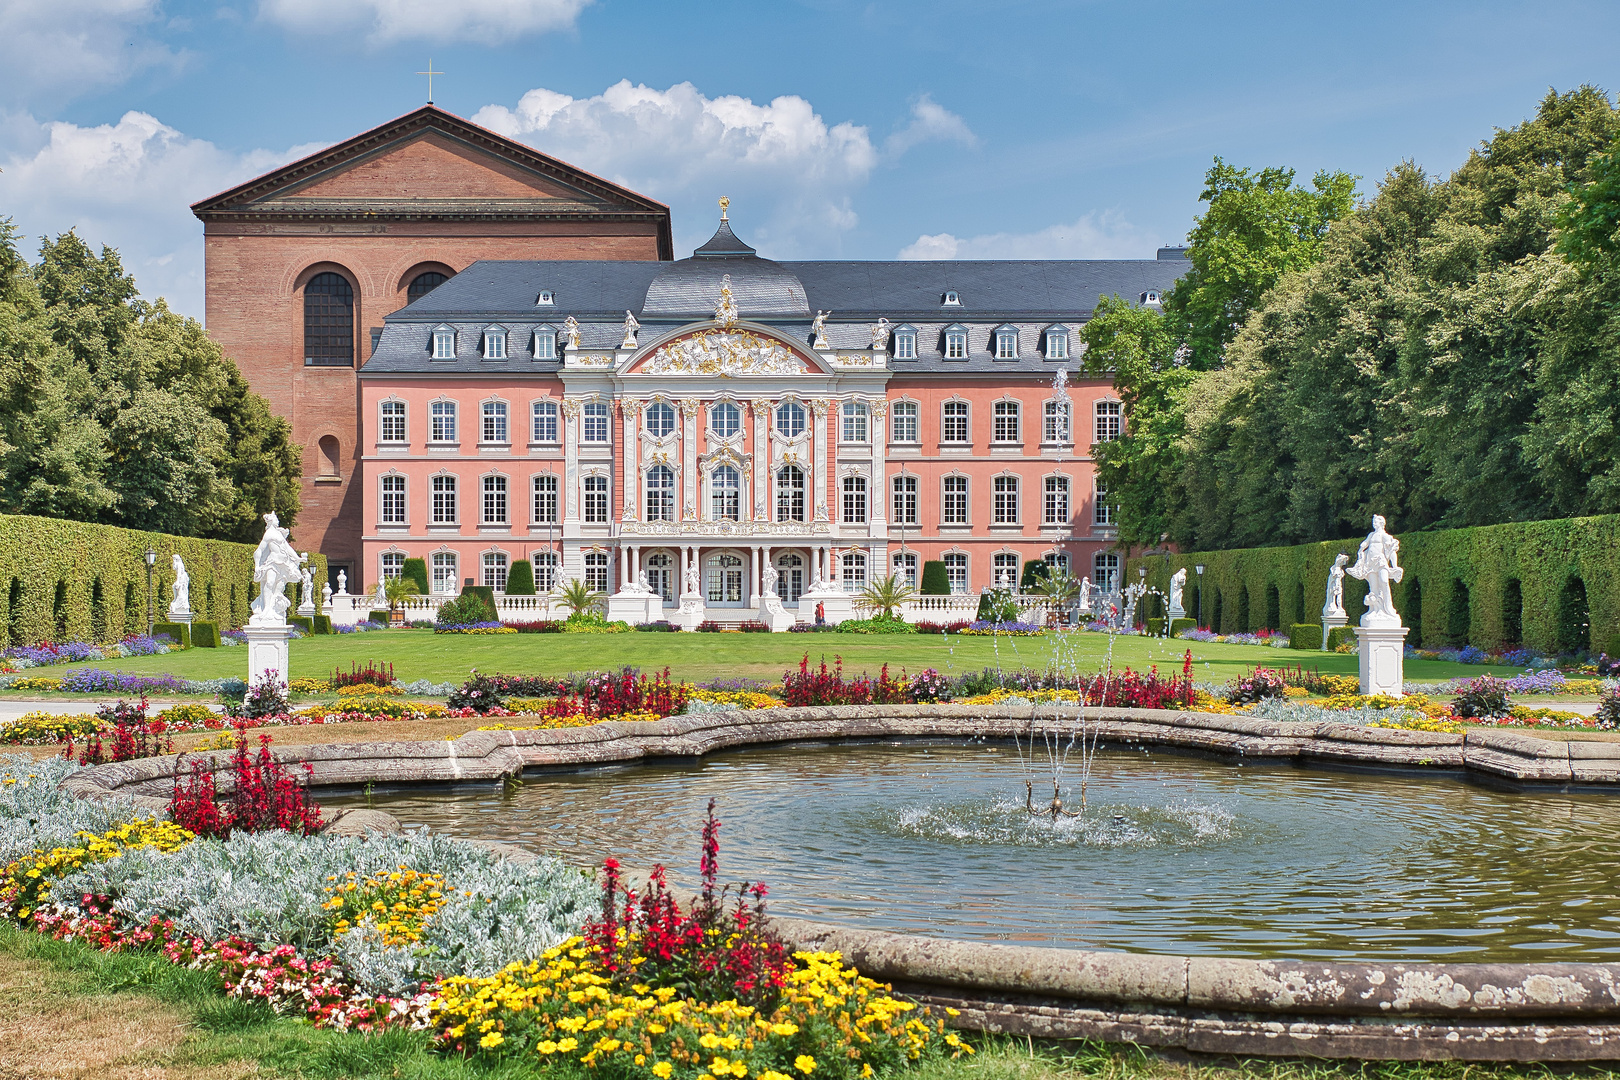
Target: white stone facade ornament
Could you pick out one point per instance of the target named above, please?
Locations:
(571, 332)
(275, 566)
(306, 587)
(818, 330)
(725, 309)
(1381, 637)
(630, 328)
(1178, 587)
(180, 606)
(880, 334)
(725, 353)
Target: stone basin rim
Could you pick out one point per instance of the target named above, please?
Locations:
(1317, 1008)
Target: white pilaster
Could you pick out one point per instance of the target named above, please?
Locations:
(691, 409)
(762, 459)
(570, 478)
(818, 470)
(632, 451)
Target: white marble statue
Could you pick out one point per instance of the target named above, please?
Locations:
(815, 581)
(181, 604)
(1378, 564)
(1333, 608)
(818, 330)
(725, 308)
(690, 580)
(343, 583)
(306, 586)
(382, 591)
(880, 334)
(1178, 587)
(571, 332)
(275, 566)
(630, 328)
(641, 583)
(770, 581)
(1085, 594)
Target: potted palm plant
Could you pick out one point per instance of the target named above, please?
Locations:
(884, 595)
(579, 598)
(397, 590)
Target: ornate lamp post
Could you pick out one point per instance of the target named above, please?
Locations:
(1199, 568)
(151, 561)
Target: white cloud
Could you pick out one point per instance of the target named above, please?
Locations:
(1105, 235)
(128, 185)
(792, 176)
(63, 48)
(487, 22)
(930, 122)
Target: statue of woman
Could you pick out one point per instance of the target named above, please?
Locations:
(1178, 584)
(181, 604)
(1334, 607)
(275, 566)
(1378, 564)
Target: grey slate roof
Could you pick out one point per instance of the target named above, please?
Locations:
(1031, 294)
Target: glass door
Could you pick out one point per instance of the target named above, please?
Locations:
(661, 576)
(723, 580)
(790, 578)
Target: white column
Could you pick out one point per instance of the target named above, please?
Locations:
(762, 459)
(753, 577)
(877, 411)
(570, 478)
(691, 408)
(632, 448)
(818, 472)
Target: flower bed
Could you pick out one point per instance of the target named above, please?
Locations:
(76, 652)
(983, 628)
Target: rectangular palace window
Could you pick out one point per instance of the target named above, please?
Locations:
(444, 500)
(393, 421)
(1006, 500)
(955, 508)
(393, 500)
(495, 500)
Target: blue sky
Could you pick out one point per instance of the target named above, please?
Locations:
(841, 130)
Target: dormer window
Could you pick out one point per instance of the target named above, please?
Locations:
(905, 343)
(546, 299)
(952, 299)
(1151, 299)
(444, 343)
(545, 343)
(1007, 343)
(956, 343)
(1057, 343)
(495, 343)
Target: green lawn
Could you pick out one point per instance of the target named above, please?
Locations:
(420, 654)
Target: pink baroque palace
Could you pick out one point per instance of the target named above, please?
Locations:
(695, 436)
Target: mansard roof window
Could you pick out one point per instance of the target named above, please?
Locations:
(956, 342)
(905, 342)
(1057, 343)
(1006, 343)
(951, 299)
(444, 342)
(547, 298)
(495, 343)
(545, 343)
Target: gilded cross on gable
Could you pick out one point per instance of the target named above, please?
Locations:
(430, 73)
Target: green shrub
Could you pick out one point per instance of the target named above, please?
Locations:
(416, 570)
(470, 607)
(1178, 625)
(378, 616)
(1341, 635)
(1305, 635)
(1035, 570)
(878, 625)
(520, 579)
(935, 580)
(305, 623)
(483, 592)
(179, 631)
(323, 624)
(205, 635)
(1154, 627)
(998, 606)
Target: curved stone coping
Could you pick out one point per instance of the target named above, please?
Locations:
(1493, 1012)
(493, 755)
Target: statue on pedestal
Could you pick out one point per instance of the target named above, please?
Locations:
(770, 576)
(630, 328)
(1378, 564)
(1333, 608)
(818, 330)
(306, 586)
(181, 604)
(275, 566)
(1178, 586)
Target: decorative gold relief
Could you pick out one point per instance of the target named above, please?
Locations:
(724, 353)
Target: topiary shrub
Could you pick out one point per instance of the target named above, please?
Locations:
(935, 580)
(520, 579)
(1035, 571)
(205, 635)
(997, 606)
(1305, 635)
(468, 608)
(323, 623)
(178, 631)
(484, 591)
(1341, 635)
(303, 622)
(416, 570)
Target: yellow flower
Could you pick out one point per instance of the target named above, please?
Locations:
(805, 1064)
(492, 1040)
(641, 1059)
(710, 1041)
(567, 1045)
(546, 1046)
(785, 1029)
(662, 1070)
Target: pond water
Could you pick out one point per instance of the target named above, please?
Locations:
(1173, 854)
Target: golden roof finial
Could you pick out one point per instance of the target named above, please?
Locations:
(725, 204)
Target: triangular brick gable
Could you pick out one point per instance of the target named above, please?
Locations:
(432, 164)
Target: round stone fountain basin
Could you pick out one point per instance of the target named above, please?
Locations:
(1173, 854)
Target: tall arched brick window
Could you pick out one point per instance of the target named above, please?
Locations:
(329, 321)
(423, 284)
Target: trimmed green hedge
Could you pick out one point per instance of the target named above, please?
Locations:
(520, 579)
(204, 635)
(1305, 635)
(1340, 635)
(936, 581)
(1553, 586)
(77, 581)
(177, 631)
(416, 570)
(1155, 627)
(323, 624)
(306, 623)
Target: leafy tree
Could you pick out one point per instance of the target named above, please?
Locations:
(1259, 226)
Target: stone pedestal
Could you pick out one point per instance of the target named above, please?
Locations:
(836, 603)
(635, 607)
(1383, 659)
(307, 608)
(1331, 623)
(774, 615)
(691, 611)
(343, 610)
(180, 616)
(1177, 612)
(267, 651)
